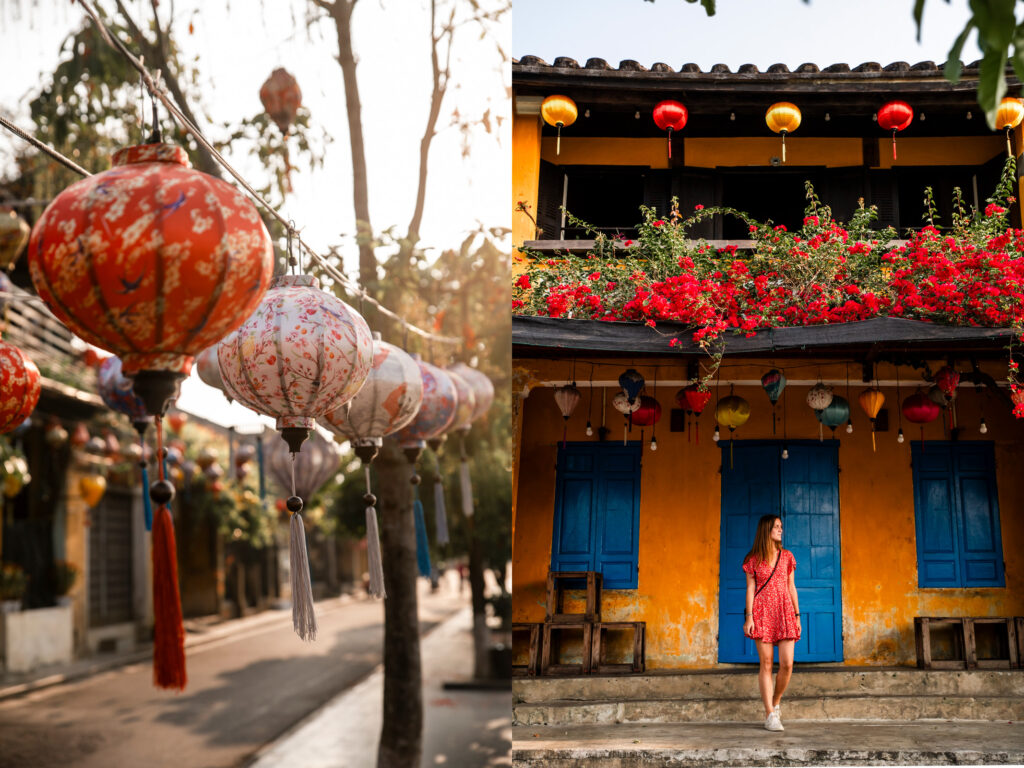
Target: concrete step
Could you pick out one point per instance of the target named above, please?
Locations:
(742, 683)
(750, 710)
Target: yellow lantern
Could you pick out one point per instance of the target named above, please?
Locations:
(14, 232)
(1008, 117)
(92, 488)
(732, 412)
(559, 111)
(783, 117)
(872, 400)
(12, 485)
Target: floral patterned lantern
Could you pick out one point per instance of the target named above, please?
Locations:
(466, 403)
(773, 383)
(437, 411)
(895, 116)
(483, 388)
(301, 354)
(116, 391)
(13, 236)
(281, 97)
(559, 111)
(670, 116)
(19, 387)
(920, 409)
(152, 261)
(783, 117)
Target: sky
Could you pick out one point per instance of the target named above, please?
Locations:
(761, 32)
(394, 73)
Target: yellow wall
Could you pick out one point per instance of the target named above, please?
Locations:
(677, 592)
(525, 175)
(606, 151)
(713, 153)
(940, 150)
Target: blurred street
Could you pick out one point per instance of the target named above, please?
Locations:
(246, 689)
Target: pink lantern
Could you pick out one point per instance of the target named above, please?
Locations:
(302, 353)
(437, 411)
(483, 389)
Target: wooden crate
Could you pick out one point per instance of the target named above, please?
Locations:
(970, 642)
(923, 640)
(599, 665)
(965, 638)
(532, 666)
(554, 610)
(552, 632)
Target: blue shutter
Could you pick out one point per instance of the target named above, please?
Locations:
(981, 555)
(938, 545)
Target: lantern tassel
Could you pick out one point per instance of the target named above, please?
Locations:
(422, 545)
(821, 433)
(303, 613)
(922, 438)
(783, 146)
(893, 143)
(168, 629)
(558, 140)
(874, 448)
(773, 418)
(440, 513)
(565, 432)
(1009, 149)
(730, 450)
(670, 142)
(466, 488)
(147, 503)
(374, 559)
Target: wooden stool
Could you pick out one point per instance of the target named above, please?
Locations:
(549, 668)
(598, 665)
(965, 641)
(1006, 627)
(554, 596)
(531, 668)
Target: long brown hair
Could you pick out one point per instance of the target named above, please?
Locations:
(763, 544)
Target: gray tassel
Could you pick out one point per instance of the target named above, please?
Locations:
(466, 486)
(440, 513)
(373, 556)
(303, 614)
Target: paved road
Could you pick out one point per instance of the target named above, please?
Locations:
(244, 691)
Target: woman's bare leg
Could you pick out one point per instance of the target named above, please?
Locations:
(786, 648)
(764, 675)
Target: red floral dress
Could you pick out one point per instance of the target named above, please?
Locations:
(774, 617)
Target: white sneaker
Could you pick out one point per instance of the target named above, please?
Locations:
(773, 723)
(778, 711)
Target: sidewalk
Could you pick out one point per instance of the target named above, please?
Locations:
(463, 728)
(803, 743)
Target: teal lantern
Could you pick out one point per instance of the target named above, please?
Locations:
(773, 383)
(834, 414)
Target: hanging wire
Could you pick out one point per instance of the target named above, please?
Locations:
(45, 148)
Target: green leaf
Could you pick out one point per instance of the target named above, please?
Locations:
(1017, 59)
(953, 64)
(995, 22)
(992, 83)
(918, 14)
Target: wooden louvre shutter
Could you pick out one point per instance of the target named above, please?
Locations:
(697, 187)
(549, 201)
(883, 192)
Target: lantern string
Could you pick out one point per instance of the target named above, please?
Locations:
(159, 91)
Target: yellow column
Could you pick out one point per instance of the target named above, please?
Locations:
(526, 129)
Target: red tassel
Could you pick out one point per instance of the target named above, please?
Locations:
(894, 145)
(670, 142)
(168, 630)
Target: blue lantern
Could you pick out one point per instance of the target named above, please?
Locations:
(834, 414)
(632, 384)
(773, 383)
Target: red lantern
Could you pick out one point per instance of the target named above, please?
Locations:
(19, 387)
(947, 379)
(670, 116)
(153, 261)
(281, 97)
(176, 421)
(648, 413)
(895, 116)
(694, 398)
(920, 409)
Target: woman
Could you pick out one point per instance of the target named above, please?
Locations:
(772, 613)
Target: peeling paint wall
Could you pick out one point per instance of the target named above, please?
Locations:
(680, 505)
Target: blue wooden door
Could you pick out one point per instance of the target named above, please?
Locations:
(804, 491)
(597, 505)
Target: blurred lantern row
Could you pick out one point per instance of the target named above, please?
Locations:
(732, 411)
(782, 117)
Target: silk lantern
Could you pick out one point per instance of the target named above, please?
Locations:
(567, 397)
(281, 98)
(466, 405)
(92, 487)
(19, 387)
(1009, 116)
(670, 116)
(313, 466)
(919, 409)
(647, 415)
(773, 383)
(895, 116)
(483, 388)
(559, 111)
(467, 397)
(834, 414)
(435, 416)
(695, 398)
(14, 234)
(632, 383)
(208, 368)
(152, 261)
(389, 399)
(871, 402)
(783, 117)
(302, 353)
(732, 412)
(947, 379)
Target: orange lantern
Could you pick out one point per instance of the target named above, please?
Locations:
(783, 117)
(1008, 117)
(872, 400)
(176, 421)
(559, 111)
(281, 97)
(19, 387)
(92, 488)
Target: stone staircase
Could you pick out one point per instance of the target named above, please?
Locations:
(815, 694)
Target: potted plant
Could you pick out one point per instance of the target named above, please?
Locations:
(13, 582)
(65, 574)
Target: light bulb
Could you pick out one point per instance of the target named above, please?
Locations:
(654, 443)
(899, 436)
(785, 453)
(849, 427)
(716, 436)
(984, 427)
(590, 429)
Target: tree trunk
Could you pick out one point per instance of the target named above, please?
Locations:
(481, 634)
(341, 12)
(401, 735)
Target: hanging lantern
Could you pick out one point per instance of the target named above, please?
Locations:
(80, 435)
(152, 261)
(389, 399)
(694, 398)
(92, 487)
(176, 421)
(836, 413)
(819, 396)
(437, 409)
(209, 368)
(947, 379)
(207, 458)
(895, 116)
(670, 116)
(483, 388)
(732, 412)
(314, 465)
(19, 387)
(632, 383)
(56, 436)
(783, 117)
(648, 412)
(117, 393)
(301, 354)
(773, 383)
(567, 397)
(559, 111)
(919, 409)
(281, 97)
(1008, 117)
(871, 402)
(466, 403)
(14, 234)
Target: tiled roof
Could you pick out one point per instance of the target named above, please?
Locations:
(629, 65)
